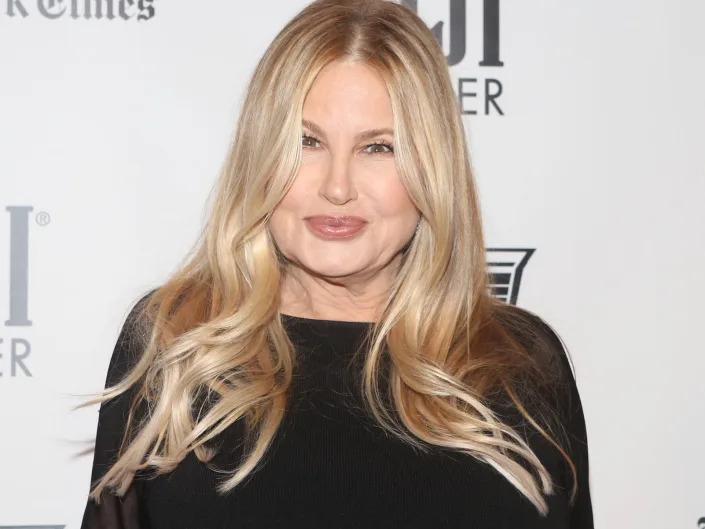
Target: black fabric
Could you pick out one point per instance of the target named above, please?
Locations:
(330, 465)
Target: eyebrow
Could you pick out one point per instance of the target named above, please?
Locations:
(364, 135)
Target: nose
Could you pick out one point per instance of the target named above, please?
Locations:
(337, 185)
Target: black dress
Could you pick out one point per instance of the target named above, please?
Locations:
(331, 467)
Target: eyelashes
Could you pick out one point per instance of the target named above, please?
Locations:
(381, 143)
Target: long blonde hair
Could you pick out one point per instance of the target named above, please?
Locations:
(215, 326)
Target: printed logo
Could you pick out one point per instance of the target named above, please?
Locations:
(15, 351)
(486, 100)
(505, 266)
(85, 9)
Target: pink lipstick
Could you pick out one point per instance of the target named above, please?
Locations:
(335, 227)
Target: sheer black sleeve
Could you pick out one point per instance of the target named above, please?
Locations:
(115, 512)
(570, 409)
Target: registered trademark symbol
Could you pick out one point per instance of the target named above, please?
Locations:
(42, 218)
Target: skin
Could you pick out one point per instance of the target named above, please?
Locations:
(341, 175)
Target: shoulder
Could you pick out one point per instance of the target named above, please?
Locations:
(547, 385)
(115, 411)
(131, 340)
(564, 417)
(539, 339)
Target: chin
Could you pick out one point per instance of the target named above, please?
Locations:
(333, 270)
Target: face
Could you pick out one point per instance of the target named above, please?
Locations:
(345, 170)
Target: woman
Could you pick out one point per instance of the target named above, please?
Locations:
(330, 355)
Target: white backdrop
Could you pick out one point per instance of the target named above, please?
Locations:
(113, 132)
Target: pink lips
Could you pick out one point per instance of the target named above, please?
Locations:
(339, 227)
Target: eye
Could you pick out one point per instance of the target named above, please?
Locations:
(380, 143)
(305, 137)
(379, 147)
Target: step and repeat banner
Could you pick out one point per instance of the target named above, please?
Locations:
(585, 122)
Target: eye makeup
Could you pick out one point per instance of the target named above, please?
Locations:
(383, 143)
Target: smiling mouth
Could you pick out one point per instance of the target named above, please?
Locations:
(337, 220)
(330, 228)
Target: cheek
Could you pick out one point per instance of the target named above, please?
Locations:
(284, 221)
(294, 200)
(391, 198)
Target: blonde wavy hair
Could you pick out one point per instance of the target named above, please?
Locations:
(214, 326)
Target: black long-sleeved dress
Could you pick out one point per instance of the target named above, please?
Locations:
(331, 467)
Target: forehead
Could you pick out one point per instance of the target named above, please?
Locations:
(348, 94)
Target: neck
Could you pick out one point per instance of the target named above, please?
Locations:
(349, 298)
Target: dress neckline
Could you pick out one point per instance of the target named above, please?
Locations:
(326, 323)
